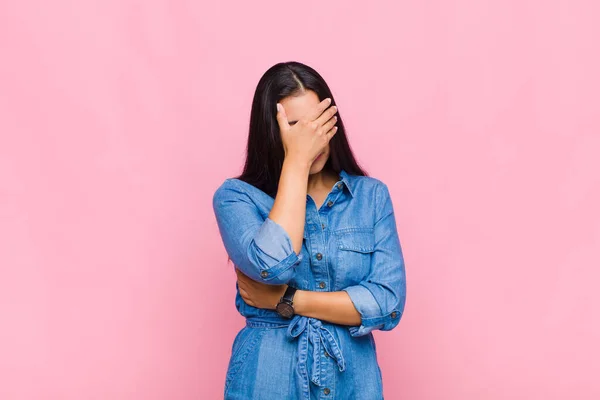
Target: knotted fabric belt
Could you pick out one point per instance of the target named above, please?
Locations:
(306, 329)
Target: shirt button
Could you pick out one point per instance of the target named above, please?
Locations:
(394, 314)
(326, 391)
(326, 354)
(264, 274)
(322, 226)
(319, 256)
(329, 203)
(339, 185)
(322, 285)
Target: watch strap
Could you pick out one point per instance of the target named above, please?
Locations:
(288, 296)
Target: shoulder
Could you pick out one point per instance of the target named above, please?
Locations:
(370, 186)
(230, 189)
(373, 191)
(233, 189)
(371, 181)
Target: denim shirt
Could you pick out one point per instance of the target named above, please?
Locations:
(350, 244)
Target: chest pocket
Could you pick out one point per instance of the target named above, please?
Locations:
(354, 248)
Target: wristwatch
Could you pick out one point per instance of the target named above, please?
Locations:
(285, 307)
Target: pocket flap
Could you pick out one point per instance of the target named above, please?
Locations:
(362, 241)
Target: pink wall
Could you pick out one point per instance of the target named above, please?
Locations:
(118, 119)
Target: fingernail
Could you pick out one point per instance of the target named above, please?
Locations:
(328, 100)
(279, 107)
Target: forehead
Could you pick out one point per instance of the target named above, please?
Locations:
(298, 106)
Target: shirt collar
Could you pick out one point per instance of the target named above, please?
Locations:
(348, 180)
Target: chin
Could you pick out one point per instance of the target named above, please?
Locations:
(317, 166)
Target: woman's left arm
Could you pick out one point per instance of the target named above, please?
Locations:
(334, 307)
(377, 302)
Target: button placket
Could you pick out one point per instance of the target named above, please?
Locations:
(318, 261)
(321, 275)
(335, 194)
(319, 267)
(327, 372)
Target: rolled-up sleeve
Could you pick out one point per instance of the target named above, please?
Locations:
(261, 248)
(381, 296)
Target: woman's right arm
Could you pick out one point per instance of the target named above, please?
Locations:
(261, 248)
(302, 142)
(289, 208)
(267, 249)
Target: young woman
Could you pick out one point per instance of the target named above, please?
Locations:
(316, 250)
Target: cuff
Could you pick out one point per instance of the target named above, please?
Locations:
(274, 250)
(371, 316)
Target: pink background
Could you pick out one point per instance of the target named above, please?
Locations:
(118, 120)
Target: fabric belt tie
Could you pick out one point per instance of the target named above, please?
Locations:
(311, 330)
(305, 329)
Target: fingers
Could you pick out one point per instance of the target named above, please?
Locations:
(240, 274)
(246, 297)
(244, 288)
(282, 118)
(242, 285)
(329, 124)
(243, 280)
(326, 116)
(318, 110)
(331, 132)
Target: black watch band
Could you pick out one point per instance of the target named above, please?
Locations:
(285, 307)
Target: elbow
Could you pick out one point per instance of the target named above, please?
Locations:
(385, 322)
(269, 270)
(272, 255)
(393, 303)
(393, 317)
(379, 309)
(394, 314)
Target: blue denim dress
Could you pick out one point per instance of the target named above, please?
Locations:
(350, 243)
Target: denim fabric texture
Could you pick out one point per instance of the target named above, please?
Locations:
(350, 243)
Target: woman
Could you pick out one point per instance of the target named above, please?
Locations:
(316, 250)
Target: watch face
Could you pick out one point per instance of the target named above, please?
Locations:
(285, 310)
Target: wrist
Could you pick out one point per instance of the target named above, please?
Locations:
(300, 301)
(279, 296)
(286, 306)
(298, 161)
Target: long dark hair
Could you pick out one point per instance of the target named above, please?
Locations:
(265, 153)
